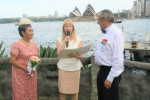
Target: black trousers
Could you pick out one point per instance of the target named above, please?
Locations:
(104, 93)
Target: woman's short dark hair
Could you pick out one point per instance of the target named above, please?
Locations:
(23, 28)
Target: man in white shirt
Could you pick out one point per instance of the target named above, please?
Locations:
(109, 56)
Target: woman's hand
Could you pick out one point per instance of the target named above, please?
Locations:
(67, 38)
(76, 55)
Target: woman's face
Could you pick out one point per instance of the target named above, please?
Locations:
(28, 33)
(68, 27)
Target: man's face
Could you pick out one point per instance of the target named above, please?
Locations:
(101, 21)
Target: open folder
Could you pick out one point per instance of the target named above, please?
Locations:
(65, 52)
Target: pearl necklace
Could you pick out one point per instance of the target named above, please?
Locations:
(27, 44)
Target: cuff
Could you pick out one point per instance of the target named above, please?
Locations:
(110, 78)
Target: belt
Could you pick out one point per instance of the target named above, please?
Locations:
(104, 67)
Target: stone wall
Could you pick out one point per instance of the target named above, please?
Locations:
(5, 85)
(134, 85)
(47, 81)
(47, 84)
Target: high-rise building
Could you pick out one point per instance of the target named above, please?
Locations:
(140, 8)
(56, 14)
(144, 7)
(147, 7)
(126, 12)
(25, 16)
(137, 9)
(131, 13)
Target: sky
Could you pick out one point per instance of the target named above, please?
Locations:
(16, 8)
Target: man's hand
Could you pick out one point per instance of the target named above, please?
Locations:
(107, 84)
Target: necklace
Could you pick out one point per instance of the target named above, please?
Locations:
(26, 43)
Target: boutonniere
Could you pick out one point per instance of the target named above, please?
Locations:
(104, 41)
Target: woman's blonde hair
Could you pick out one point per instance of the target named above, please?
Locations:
(74, 37)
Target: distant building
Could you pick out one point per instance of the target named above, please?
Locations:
(75, 13)
(126, 12)
(44, 17)
(118, 14)
(147, 12)
(25, 16)
(141, 8)
(131, 13)
(88, 15)
(50, 16)
(145, 8)
(56, 14)
(137, 9)
(64, 15)
(89, 11)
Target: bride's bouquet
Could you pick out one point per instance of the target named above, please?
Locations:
(33, 63)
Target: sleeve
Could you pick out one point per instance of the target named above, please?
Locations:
(118, 57)
(14, 50)
(60, 40)
(78, 40)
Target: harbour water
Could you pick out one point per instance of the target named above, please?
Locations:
(46, 33)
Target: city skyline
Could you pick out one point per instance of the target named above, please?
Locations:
(17, 8)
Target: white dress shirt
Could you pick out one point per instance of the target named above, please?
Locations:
(111, 52)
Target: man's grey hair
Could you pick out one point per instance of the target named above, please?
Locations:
(107, 14)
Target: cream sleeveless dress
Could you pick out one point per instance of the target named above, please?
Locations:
(69, 71)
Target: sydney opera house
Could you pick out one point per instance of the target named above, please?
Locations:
(88, 15)
(75, 13)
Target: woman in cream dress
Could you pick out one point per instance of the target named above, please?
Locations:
(69, 68)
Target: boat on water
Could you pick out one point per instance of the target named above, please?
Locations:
(118, 21)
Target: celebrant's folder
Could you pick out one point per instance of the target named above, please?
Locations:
(65, 52)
